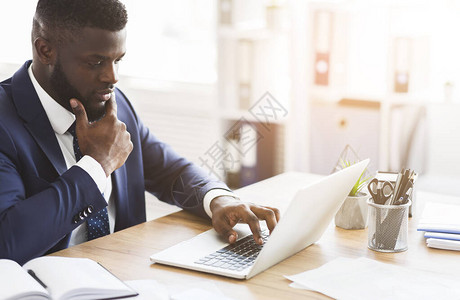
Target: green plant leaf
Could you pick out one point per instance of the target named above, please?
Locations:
(360, 183)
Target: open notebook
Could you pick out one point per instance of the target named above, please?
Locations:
(53, 277)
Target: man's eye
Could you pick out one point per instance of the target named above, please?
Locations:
(95, 63)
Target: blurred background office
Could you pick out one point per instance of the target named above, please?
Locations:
(249, 88)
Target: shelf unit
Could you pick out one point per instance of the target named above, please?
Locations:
(326, 54)
(365, 63)
(253, 76)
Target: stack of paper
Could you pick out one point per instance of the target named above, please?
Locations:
(363, 279)
(441, 224)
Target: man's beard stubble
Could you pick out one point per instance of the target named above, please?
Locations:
(65, 91)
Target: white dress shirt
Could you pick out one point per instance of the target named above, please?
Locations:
(61, 119)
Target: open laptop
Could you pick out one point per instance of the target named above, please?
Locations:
(303, 223)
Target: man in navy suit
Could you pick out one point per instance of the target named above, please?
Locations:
(74, 156)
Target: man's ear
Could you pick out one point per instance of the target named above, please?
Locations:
(46, 52)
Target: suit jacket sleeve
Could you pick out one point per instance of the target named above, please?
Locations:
(39, 197)
(31, 223)
(169, 176)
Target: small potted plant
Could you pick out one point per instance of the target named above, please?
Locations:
(353, 212)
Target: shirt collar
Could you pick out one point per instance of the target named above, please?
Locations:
(59, 117)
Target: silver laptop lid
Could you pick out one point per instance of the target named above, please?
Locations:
(307, 217)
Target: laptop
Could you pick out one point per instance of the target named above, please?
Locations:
(302, 224)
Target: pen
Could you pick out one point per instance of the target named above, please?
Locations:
(32, 273)
(396, 188)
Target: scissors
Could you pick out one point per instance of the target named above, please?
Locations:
(382, 193)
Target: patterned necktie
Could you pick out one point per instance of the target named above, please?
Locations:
(98, 225)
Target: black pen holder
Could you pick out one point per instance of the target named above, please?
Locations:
(388, 227)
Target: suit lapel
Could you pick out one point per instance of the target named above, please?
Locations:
(31, 111)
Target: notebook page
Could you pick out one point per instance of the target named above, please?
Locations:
(15, 281)
(66, 277)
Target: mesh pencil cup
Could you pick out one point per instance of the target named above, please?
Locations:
(388, 226)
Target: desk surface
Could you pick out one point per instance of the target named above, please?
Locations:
(126, 253)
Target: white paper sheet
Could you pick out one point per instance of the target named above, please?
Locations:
(443, 244)
(362, 278)
(199, 294)
(442, 236)
(148, 289)
(201, 290)
(440, 217)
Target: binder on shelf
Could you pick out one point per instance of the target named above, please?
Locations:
(241, 13)
(276, 17)
(249, 158)
(225, 12)
(402, 58)
(232, 166)
(257, 152)
(322, 44)
(244, 72)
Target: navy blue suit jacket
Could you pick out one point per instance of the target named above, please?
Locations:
(40, 197)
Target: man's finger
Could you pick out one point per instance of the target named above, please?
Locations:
(252, 220)
(79, 111)
(276, 211)
(224, 227)
(111, 105)
(231, 235)
(267, 214)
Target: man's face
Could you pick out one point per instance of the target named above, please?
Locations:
(87, 69)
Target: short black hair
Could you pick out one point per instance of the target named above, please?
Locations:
(54, 19)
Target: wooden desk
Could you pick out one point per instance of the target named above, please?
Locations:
(126, 253)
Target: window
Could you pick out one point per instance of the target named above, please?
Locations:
(171, 40)
(16, 21)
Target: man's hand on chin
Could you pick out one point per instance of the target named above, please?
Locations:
(227, 212)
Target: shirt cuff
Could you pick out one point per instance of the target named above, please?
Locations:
(95, 170)
(210, 195)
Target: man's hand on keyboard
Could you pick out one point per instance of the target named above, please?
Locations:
(226, 213)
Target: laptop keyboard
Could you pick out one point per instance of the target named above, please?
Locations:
(237, 256)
